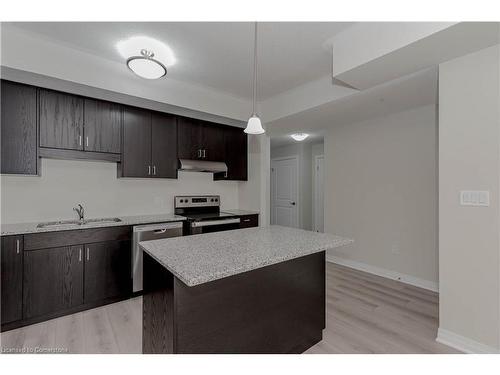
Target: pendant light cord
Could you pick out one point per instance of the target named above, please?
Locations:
(255, 71)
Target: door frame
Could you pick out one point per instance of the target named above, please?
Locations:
(297, 200)
(315, 177)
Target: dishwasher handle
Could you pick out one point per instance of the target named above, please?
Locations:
(157, 228)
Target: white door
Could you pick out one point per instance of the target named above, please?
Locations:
(319, 194)
(284, 191)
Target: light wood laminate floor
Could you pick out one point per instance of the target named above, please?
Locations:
(365, 314)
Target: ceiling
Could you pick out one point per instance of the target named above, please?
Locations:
(412, 91)
(285, 139)
(213, 54)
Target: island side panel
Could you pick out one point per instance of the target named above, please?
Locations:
(157, 308)
(274, 309)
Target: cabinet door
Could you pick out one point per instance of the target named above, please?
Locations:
(189, 138)
(164, 145)
(107, 270)
(11, 266)
(53, 280)
(61, 120)
(19, 133)
(102, 129)
(136, 151)
(236, 145)
(213, 142)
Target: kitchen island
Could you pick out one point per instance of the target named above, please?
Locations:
(257, 290)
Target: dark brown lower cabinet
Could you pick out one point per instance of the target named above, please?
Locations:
(53, 280)
(11, 270)
(107, 270)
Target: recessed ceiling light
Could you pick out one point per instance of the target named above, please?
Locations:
(146, 57)
(299, 136)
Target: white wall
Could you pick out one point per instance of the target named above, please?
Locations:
(255, 194)
(303, 152)
(65, 183)
(469, 245)
(316, 150)
(381, 190)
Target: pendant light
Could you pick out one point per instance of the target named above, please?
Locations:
(254, 125)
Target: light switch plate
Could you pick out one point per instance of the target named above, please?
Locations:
(475, 198)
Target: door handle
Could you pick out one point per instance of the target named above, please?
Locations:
(292, 203)
(80, 140)
(80, 254)
(87, 141)
(18, 246)
(204, 154)
(199, 153)
(154, 170)
(88, 254)
(149, 170)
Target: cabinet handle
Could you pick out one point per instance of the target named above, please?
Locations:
(154, 170)
(88, 254)
(149, 170)
(80, 140)
(80, 255)
(204, 153)
(246, 220)
(18, 246)
(199, 153)
(87, 141)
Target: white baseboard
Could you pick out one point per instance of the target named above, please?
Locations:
(463, 344)
(407, 279)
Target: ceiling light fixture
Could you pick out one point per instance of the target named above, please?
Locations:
(254, 125)
(146, 57)
(146, 66)
(299, 136)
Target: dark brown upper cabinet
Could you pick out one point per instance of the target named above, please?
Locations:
(61, 120)
(213, 142)
(19, 129)
(149, 144)
(199, 139)
(189, 138)
(11, 267)
(236, 155)
(102, 126)
(136, 147)
(164, 145)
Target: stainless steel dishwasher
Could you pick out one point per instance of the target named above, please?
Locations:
(146, 233)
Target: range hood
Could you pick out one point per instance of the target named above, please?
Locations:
(190, 165)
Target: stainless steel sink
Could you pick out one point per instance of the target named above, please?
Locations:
(103, 220)
(77, 223)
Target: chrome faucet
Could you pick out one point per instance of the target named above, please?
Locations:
(80, 211)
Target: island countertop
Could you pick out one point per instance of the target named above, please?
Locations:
(202, 258)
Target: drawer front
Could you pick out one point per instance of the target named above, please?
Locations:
(249, 221)
(36, 241)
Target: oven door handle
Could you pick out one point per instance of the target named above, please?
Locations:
(197, 224)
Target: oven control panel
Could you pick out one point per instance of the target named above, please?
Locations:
(185, 201)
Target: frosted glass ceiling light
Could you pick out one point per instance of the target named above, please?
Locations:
(299, 136)
(146, 57)
(254, 125)
(146, 66)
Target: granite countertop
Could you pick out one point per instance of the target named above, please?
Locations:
(240, 212)
(25, 228)
(201, 258)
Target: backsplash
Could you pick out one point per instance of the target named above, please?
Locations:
(65, 183)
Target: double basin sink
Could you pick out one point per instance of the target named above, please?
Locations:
(77, 223)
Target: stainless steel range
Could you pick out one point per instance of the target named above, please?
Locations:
(203, 214)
